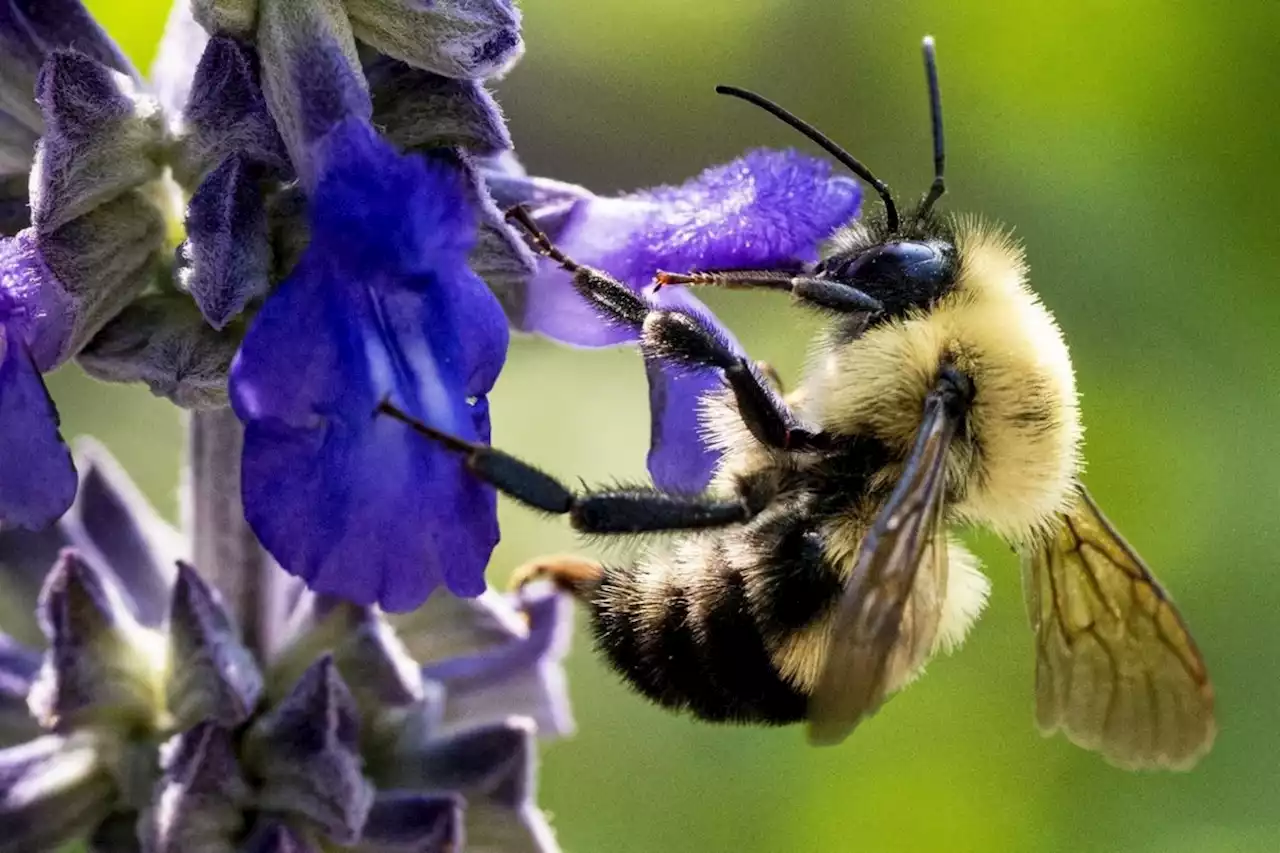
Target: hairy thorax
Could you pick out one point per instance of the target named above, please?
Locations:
(1014, 466)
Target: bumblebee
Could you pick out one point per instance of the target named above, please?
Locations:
(817, 575)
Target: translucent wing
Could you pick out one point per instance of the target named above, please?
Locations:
(884, 625)
(1116, 669)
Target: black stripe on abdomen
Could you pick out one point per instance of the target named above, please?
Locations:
(719, 671)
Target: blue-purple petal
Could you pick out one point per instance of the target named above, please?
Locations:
(382, 305)
(766, 209)
(34, 299)
(680, 459)
(358, 506)
(37, 476)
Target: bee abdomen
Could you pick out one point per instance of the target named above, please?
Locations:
(694, 648)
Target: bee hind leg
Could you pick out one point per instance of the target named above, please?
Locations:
(577, 576)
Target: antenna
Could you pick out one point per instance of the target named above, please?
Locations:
(935, 113)
(825, 143)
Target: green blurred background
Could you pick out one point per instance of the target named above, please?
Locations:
(1133, 145)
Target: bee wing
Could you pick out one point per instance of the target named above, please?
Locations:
(1116, 669)
(873, 611)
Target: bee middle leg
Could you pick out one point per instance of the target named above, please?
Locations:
(685, 338)
(637, 509)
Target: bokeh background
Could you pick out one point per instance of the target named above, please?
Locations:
(1134, 146)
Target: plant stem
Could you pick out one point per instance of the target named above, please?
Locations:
(224, 548)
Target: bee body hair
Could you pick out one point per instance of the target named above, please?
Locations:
(733, 624)
(1015, 469)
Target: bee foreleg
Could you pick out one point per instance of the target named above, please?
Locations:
(636, 509)
(812, 292)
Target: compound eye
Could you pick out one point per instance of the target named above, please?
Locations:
(901, 274)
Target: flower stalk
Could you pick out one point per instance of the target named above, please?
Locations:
(222, 543)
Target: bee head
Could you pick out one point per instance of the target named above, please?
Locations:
(900, 272)
(902, 264)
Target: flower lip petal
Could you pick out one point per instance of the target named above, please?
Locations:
(680, 459)
(380, 306)
(765, 209)
(37, 476)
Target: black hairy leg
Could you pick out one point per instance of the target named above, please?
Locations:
(620, 510)
(683, 338)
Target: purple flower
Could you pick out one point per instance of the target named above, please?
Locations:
(348, 739)
(381, 305)
(81, 245)
(765, 210)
